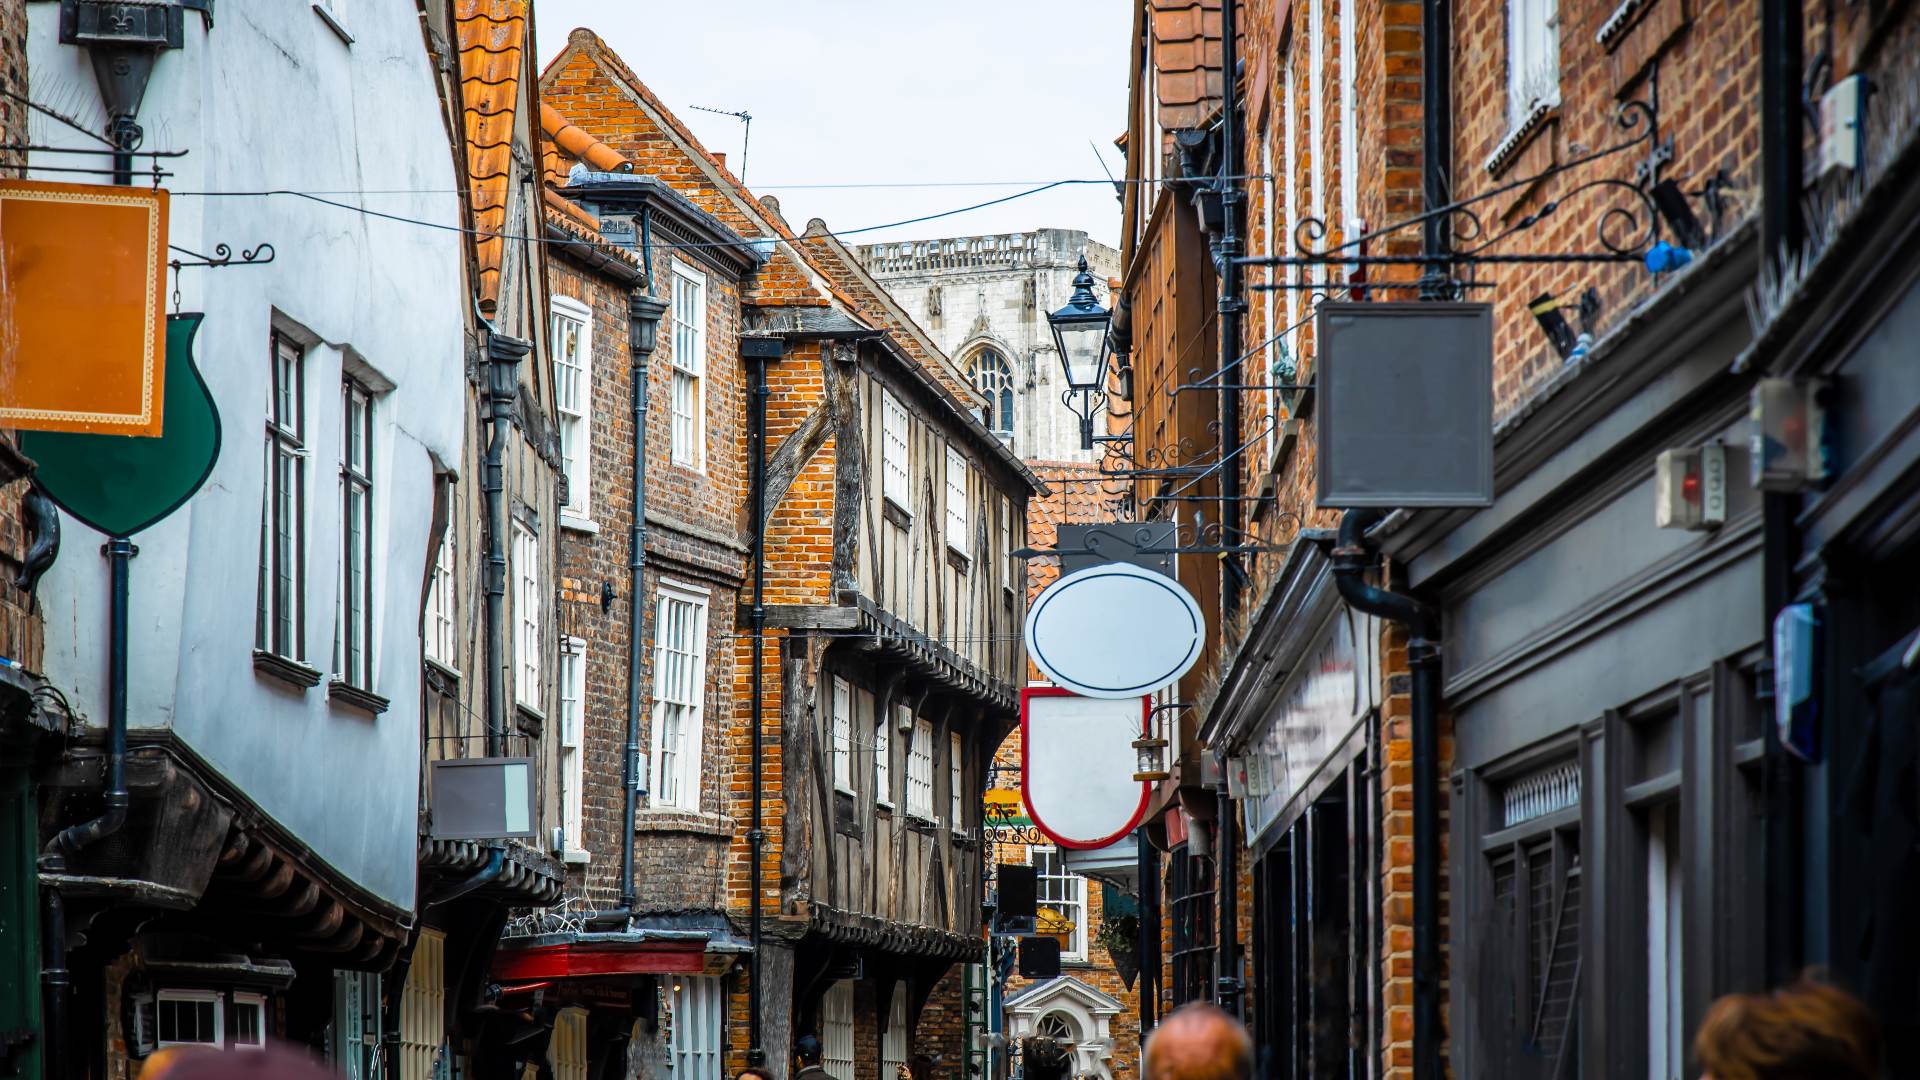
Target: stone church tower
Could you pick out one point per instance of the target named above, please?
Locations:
(984, 300)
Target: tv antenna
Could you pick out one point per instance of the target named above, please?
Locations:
(746, 118)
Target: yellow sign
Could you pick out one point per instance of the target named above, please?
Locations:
(83, 328)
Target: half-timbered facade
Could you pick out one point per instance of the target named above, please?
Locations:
(887, 630)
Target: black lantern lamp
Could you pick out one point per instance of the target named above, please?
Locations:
(1080, 333)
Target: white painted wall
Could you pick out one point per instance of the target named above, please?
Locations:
(272, 98)
(984, 302)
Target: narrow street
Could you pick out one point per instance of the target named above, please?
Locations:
(1372, 539)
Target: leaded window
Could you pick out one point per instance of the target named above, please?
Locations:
(573, 721)
(1533, 58)
(1063, 902)
(836, 1030)
(920, 771)
(896, 482)
(840, 736)
(527, 602)
(994, 379)
(442, 637)
(573, 398)
(696, 1018)
(956, 485)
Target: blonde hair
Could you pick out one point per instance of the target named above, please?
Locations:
(1811, 1030)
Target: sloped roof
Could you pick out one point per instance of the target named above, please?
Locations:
(878, 307)
(573, 140)
(1040, 994)
(492, 38)
(1077, 494)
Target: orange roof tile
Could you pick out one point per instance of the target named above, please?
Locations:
(1077, 494)
(574, 140)
(492, 40)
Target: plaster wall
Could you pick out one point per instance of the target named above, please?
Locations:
(273, 98)
(978, 292)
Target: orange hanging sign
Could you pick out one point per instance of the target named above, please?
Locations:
(83, 328)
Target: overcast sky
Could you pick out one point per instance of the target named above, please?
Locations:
(889, 92)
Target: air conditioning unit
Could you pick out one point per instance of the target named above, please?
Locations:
(1690, 488)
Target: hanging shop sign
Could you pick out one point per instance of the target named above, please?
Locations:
(83, 271)
(1312, 715)
(1077, 763)
(121, 485)
(1406, 404)
(482, 798)
(1115, 631)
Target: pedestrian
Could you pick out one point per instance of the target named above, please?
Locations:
(807, 1049)
(753, 1072)
(1199, 1042)
(1811, 1030)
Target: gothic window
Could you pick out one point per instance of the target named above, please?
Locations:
(994, 379)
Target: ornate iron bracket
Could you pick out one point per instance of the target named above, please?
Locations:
(1199, 538)
(222, 256)
(1624, 232)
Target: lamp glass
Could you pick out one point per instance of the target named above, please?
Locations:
(1082, 348)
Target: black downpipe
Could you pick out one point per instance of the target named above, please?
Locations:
(1782, 230)
(761, 352)
(1149, 944)
(1227, 967)
(503, 360)
(1436, 133)
(56, 981)
(1351, 560)
(643, 321)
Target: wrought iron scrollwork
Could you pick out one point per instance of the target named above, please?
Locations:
(1623, 232)
(259, 255)
(1151, 538)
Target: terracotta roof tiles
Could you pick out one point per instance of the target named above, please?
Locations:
(492, 41)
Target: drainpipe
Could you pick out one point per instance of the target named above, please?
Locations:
(1436, 133)
(1227, 966)
(503, 385)
(643, 324)
(759, 352)
(1147, 947)
(1351, 560)
(1782, 229)
(55, 979)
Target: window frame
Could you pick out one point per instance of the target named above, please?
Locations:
(837, 1030)
(704, 998)
(1532, 81)
(920, 801)
(840, 735)
(573, 743)
(687, 367)
(991, 375)
(896, 455)
(441, 635)
(528, 598)
(258, 1003)
(575, 411)
(198, 997)
(279, 614)
(957, 494)
(676, 771)
(353, 636)
(884, 722)
(1050, 864)
(956, 783)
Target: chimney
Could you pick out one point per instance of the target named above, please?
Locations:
(722, 159)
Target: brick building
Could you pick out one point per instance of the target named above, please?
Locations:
(890, 644)
(1602, 681)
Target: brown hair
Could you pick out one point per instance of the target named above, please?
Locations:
(754, 1071)
(1811, 1030)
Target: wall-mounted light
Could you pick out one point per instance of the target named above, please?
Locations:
(1789, 422)
(1150, 759)
(1080, 333)
(1690, 488)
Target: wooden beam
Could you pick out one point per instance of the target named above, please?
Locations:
(805, 616)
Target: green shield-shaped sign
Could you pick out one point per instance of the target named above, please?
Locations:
(120, 484)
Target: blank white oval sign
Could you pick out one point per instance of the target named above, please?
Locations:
(1114, 631)
(1076, 766)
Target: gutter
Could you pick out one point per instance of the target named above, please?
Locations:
(594, 256)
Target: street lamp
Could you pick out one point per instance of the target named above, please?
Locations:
(1080, 333)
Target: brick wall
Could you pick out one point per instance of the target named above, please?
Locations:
(679, 857)
(941, 1029)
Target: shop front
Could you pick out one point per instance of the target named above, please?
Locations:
(1299, 721)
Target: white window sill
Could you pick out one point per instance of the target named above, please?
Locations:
(1510, 146)
(442, 667)
(576, 858)
(579, 524)
(845, 790)
(882, 804)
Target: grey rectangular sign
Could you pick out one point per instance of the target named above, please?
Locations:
(1406, 404)
(482, 799)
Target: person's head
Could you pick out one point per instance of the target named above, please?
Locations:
(753, 1072)
(1199, 1042)
(1811, 1030)
(807, 1049)
(920, 1067)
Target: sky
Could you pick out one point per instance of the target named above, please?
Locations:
(890, 92)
